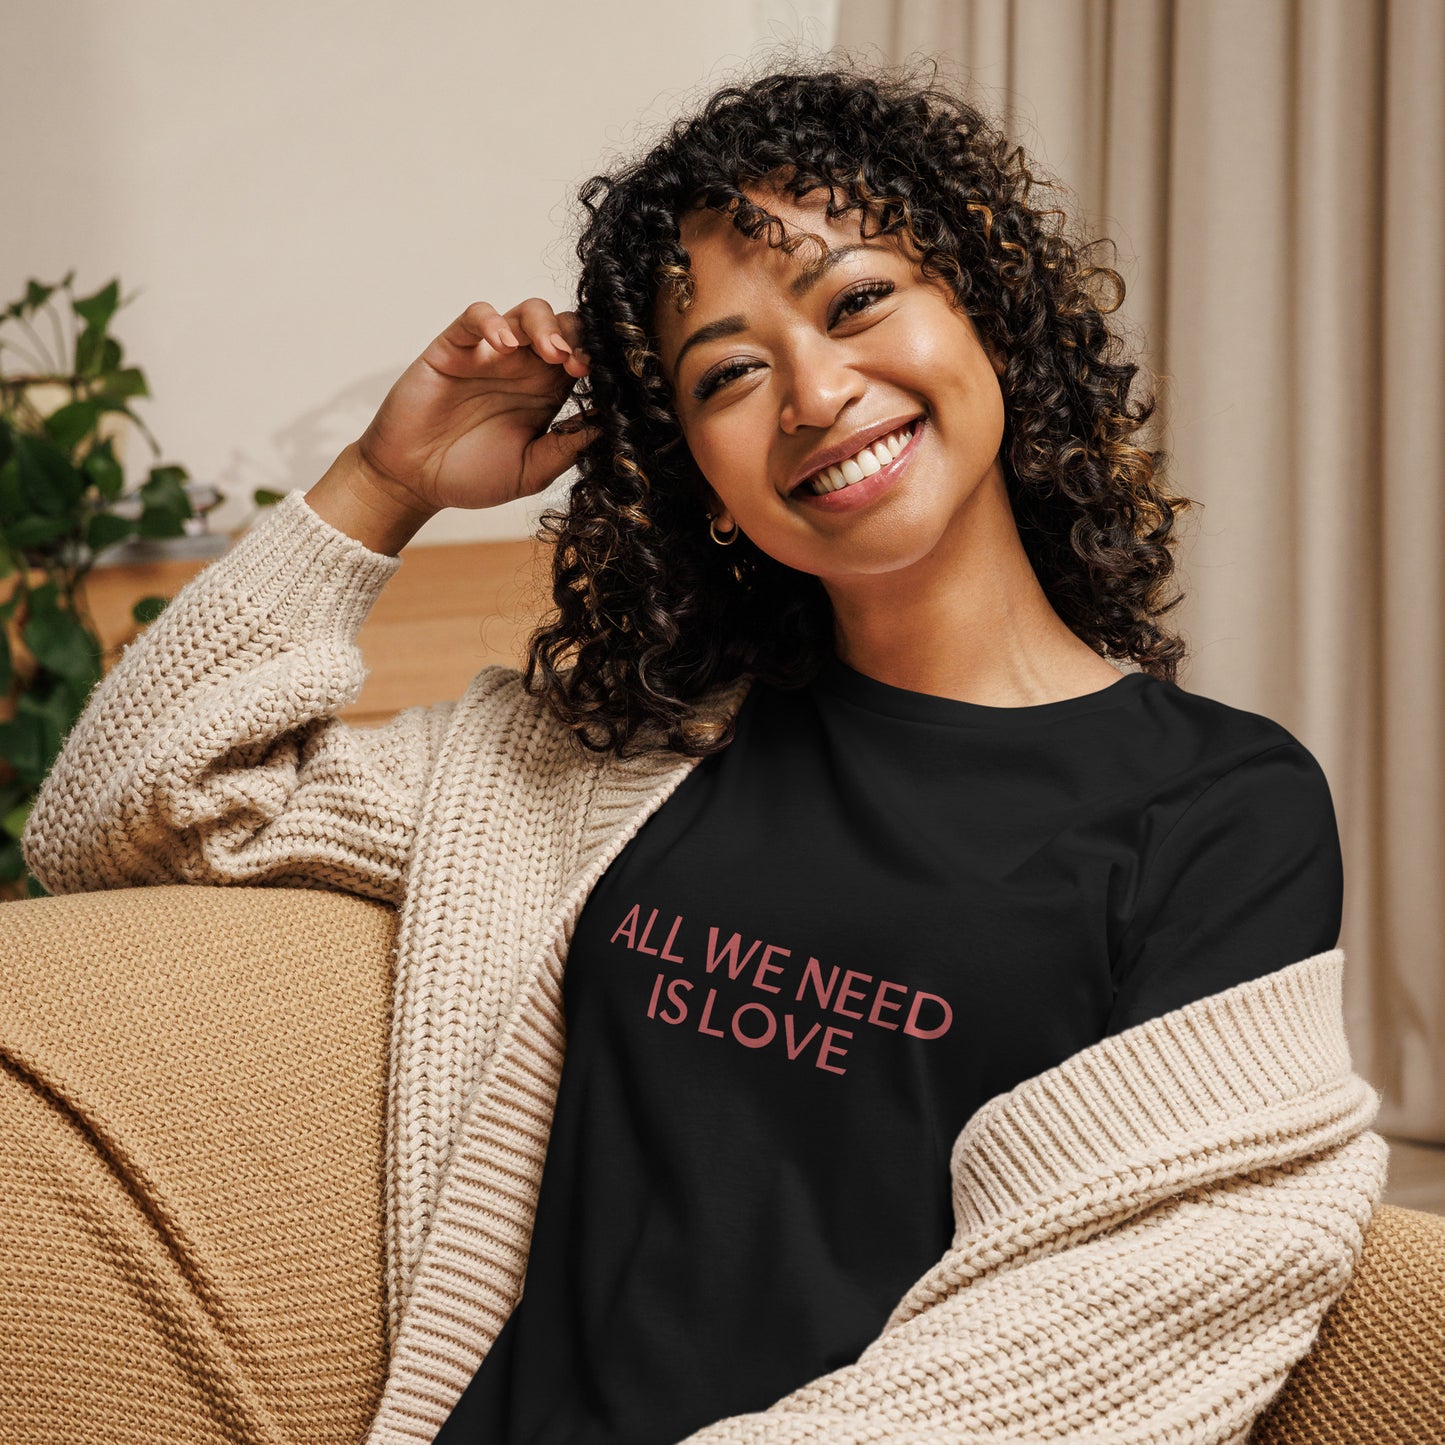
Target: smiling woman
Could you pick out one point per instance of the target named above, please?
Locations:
(827, 319)
(838, 356)
(952, 1025)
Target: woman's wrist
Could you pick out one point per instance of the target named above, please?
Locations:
(356, 500)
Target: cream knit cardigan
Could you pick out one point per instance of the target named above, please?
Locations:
(1148, 1234)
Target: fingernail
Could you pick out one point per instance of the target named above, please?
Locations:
(559, 343)
(507, 337)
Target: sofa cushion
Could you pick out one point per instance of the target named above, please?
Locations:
(192, 1087)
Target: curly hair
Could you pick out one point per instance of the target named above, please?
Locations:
(649, 611)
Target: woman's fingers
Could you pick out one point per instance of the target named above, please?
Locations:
(570, 325)
(482, 332)
(538, 322)
(552, 452)
(480, 323)
(548, 335)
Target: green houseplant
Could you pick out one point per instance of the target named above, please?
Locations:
(60, 481)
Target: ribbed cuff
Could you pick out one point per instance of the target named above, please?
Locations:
(1259, 1046)
(318, 577)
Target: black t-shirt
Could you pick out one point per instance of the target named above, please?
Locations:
(836, 939)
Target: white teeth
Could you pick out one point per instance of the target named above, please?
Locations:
(871, 459)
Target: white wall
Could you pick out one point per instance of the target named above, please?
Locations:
(300, 196)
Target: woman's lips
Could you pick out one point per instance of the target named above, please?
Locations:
(860, 494)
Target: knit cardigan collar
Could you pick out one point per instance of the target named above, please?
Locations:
(1203, 1098)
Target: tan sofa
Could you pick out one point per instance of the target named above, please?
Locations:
(191, 1126)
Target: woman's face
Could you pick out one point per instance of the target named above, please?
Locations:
(779, 366)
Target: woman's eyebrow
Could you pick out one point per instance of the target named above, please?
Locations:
(730, 325)
(713, 331)
(815, 273)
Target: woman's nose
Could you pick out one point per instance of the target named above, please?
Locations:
(818, 383)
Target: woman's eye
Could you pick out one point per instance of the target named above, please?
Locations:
(851, 303)
(715, 379)
(866, 294)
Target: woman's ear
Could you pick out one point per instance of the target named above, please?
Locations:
(717, 510)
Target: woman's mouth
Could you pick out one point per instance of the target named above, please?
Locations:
(856, 482)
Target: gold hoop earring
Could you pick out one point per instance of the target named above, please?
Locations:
(727, 541)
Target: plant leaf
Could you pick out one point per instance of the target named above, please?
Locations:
(22, 745)
(35, 529)
(59, 641)
(89, 352)
(130, 381)
(12, 494)
(45, 595)
(161, 522)
(71, 422)
(12, 794)
(69, 699)
(36, 295)
(54, 715)
(51, 484)
(14, 821)
(105, 529)
(165, 483)
(102, 468)
(148, 609)
(167, 506)
(96, 310)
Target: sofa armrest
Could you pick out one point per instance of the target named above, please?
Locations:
(1376, 1371)
(192, 1086)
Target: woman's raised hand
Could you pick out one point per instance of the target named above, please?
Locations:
(467, 423)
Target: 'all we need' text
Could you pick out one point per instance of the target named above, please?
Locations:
(757, 1024)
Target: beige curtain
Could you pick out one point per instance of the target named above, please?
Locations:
(1273, 172)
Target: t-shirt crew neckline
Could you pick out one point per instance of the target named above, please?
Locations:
(846, 682)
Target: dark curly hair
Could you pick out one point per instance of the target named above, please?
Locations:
(648, 610)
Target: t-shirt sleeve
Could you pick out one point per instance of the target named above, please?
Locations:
(1248, 880)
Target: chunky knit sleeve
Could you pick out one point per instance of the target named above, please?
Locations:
(210, 752)
(1148, 1239)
